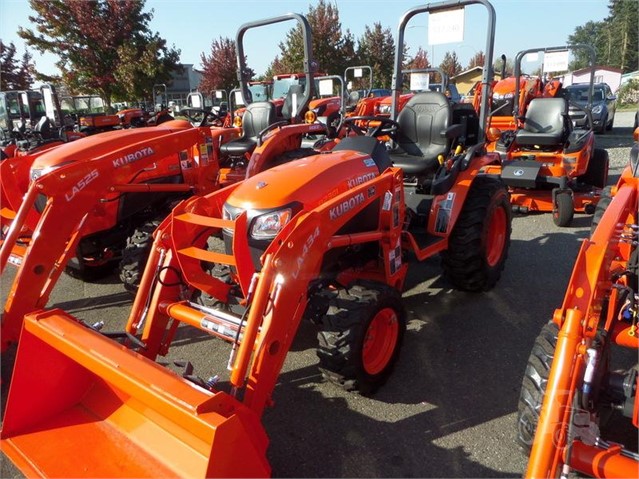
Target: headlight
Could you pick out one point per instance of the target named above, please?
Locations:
(384, 109)
(36, 173)
(597, 109)
(268, 225)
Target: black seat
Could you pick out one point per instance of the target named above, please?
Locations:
(545, 124)
(257, 116)
(43, 127)
(292, 101)
(421, 135)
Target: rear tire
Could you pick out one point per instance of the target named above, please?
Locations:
(361, 336)
(135, 255)
(533, 387)
(563, 209)
(478, 244)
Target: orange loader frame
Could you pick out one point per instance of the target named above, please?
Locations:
(589, 307)
(73, 192)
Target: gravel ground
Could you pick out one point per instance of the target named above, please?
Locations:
(449, 409)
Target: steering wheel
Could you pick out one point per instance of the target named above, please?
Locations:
(198, 115)
(384, 126)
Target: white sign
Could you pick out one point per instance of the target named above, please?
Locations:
(218, 94)
(419, 81)
(325, 87)
(238, 98)
(556, 61)
(358, 73)
(446, 27)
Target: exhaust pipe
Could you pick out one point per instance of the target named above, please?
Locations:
(82, 405)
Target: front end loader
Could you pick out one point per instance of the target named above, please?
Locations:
(571, 384)
(324, 238)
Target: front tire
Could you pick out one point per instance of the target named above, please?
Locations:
(533, 387)
(135, 255)
(602, 205)
(478, 244)
(361, 336)
(563, 209)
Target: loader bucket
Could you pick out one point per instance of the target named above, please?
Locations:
(82, 405)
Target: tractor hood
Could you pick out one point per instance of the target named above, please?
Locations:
(307, 182)
(95, 146)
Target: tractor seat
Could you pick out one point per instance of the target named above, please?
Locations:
(545, 124)
(257, 116)
(43, 127)
(294, 97)
(421, 136)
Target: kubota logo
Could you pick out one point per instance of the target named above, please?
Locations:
(345, 206)
(131, 157)
(353, 182)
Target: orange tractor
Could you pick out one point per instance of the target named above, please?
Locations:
(119, 196)
(549, 164)
(570, 386)
(323, 238)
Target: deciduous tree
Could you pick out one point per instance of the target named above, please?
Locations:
(104, 47)
(219, 68)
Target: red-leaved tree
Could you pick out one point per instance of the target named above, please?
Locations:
(104, 47)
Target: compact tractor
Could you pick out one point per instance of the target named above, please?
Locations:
(549, 164)
(118, 195)
(324, 238)
(570, 387)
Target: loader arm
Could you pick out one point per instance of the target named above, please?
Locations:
(277, 294)
(598, 262)
(72, 192)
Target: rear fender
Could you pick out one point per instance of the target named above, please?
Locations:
(454, 199)
(278, 141)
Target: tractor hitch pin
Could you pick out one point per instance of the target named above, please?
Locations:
(590, 369)
(97, 326)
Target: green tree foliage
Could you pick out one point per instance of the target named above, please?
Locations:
(104, 47)
(376, 48)
(219, 69)
(615, 39)
(14, 74)
(332, 50)
(450, 64)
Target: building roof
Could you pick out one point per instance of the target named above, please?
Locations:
(597, 67)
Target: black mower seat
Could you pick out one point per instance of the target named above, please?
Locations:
(545, 123)
(421, 134)
(257, 116)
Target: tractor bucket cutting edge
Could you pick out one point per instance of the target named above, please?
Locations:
(118, 413)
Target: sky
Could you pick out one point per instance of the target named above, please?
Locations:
(192, 25)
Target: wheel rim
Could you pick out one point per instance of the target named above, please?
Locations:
(380, 341)
(496, 238)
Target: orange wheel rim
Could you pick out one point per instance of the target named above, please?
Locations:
(496, 238)
(380, 341)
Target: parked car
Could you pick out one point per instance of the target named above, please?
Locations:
(604, 105)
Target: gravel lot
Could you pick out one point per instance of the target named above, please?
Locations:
(449, 409)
